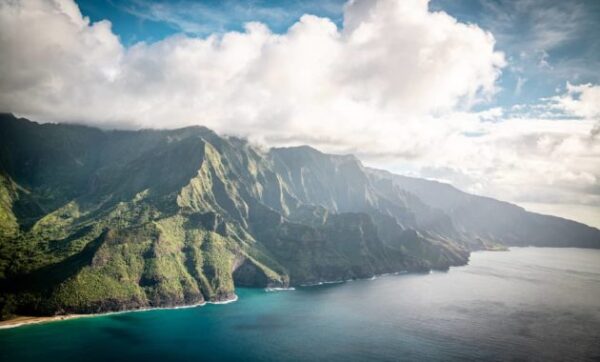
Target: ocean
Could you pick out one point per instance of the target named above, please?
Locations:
(531, 304)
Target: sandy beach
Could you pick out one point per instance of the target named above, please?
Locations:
(25, 320)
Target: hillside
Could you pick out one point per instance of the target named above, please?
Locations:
(94, 220)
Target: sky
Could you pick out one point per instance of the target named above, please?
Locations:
(498, 97)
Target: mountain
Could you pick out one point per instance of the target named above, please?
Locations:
(94, 220)
(493, 221)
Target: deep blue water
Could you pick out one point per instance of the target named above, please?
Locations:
(527, 304)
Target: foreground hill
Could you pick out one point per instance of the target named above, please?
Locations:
(94, 220)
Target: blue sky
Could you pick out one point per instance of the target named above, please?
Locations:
(138, 20)
(547, 42)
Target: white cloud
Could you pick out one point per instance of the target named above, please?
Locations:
(580, 100)
(391, 57)
(519, 86)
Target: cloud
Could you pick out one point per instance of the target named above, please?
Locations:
(52, 57)
(541, 25)
(579, 100)
(519, 86)
(391, 59)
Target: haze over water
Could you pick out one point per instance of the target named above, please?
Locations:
(526, 304)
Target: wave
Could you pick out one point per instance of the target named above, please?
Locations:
(226, 301)
(323, 282)
(276, 289)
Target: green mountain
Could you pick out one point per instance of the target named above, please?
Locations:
(94, 221)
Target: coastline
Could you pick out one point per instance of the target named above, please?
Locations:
(20, 321)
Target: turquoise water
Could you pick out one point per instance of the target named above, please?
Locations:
(526, 304)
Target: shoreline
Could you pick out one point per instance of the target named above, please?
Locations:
(21, 321)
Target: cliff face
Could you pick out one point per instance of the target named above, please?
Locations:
(95, 220)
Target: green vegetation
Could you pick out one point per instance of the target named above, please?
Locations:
(9, 226)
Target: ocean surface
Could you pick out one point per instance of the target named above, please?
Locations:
(539, 304)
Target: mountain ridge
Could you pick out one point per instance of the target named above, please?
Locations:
(96, 220)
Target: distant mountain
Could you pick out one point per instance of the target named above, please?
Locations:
(493, 221)
(94, 220)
